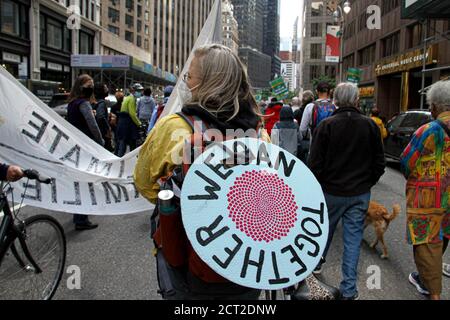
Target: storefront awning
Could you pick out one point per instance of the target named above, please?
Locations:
(121, 62)
(425, 9)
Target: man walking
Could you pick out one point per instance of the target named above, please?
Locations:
(426, 165)
(347, 157)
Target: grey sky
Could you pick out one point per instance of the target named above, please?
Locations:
(290, 10)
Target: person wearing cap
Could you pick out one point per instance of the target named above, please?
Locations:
(129, 123)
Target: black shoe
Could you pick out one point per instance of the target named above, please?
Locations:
(354, 298)
(86, 226)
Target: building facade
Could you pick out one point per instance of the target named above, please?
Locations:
(317, 15)
(289, 70)
(166, 29)
(230, 27)
(391, 59)
(271, 34)
(37, 41)
(250, 17)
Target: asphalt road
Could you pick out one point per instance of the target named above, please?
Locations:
(116, 260)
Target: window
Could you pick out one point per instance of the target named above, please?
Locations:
(139, 11)
(114, 29)
(139, 26)
(317, 8)
(314, 72)
(114, 2)
(415, 33)
(316, 51)
(391, 45)
(316, 30)
(113, 15)
(129, 36)
(139, 41)
(146, 45)
(330, 71)
(10, 17)
(54, 34)
(415, 120)
(348, 62)
(86, 43)
(129, 4)
(129, 21)
(366, 56)
(395, 124)
(147, 30)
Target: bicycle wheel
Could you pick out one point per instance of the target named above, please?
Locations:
(46, 243)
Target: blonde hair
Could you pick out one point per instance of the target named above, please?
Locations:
(224, 81)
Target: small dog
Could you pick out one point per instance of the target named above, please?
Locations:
(379, 217)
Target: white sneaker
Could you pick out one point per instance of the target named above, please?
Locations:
(446, 269)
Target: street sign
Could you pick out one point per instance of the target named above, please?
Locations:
(354, 75)
(425, 9)
(279, 88)
(263, 224)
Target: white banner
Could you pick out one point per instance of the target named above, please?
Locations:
(87, 179)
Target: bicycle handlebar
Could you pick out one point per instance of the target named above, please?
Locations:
(35, 175)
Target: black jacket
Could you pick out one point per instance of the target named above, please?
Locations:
(347, 154)
(3, 171)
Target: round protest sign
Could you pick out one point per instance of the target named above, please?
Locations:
(263, 223)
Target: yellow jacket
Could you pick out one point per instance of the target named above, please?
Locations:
(161, 150)
(380, 124)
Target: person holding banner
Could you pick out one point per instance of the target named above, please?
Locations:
(80, 114)
(10, 173)
(216, 93)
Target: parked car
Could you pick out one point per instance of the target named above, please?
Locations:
(59, 104)
(401, 129)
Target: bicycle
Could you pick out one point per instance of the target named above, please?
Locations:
(32, 251)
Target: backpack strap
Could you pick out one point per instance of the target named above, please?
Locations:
(444, 126)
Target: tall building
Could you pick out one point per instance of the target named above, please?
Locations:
(391, 59)
(317, 16)
(167, 29)
(271, 34)
(230, 28)
(249, 15)
(289, 70)
(296, 54)
(36, 43)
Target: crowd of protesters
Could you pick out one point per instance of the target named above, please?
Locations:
(325, 129)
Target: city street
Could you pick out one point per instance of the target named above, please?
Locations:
(116, 260)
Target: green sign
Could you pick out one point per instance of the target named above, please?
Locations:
(354, 75)
(279, 88)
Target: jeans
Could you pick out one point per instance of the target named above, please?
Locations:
(122, 147)
(352, 211)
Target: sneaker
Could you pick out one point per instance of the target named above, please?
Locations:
(86, 226)
(414, 279)
(318, 270)
(446, 269)
(353, 298)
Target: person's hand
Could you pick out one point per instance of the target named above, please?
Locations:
(14, 173)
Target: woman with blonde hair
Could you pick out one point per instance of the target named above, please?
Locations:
(216, 90)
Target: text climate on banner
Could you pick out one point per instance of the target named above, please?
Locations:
(86, 178)
(263, 224)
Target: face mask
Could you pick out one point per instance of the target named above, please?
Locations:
(184, 93)
(137, 95)
(87, 92)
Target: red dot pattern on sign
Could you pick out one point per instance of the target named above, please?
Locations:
(262, 206)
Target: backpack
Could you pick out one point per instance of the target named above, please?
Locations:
(322, 110)
(176, 257)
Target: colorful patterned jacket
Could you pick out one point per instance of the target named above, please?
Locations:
(426, 165)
